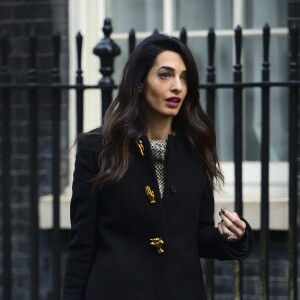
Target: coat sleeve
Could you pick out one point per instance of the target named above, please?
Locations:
(82, 247)
(210, 242)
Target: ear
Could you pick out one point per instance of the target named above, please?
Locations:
(140, 87)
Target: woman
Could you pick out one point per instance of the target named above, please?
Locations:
(142, 205)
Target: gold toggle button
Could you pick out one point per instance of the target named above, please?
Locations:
(157, 243)
(141, 147)
(150, 194)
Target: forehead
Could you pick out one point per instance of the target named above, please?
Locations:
(169, 59)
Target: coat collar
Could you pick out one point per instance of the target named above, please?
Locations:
(142, 143)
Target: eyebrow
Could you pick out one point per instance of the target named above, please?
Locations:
(169, 68)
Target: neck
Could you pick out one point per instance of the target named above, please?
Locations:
(159, 131)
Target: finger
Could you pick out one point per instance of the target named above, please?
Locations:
(220, 228)
(230, 228)
(233, 223)
(234, 218)
(225, 233)
(225, 230)
(228, 225)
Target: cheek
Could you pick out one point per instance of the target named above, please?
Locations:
(153, 94)
(184, 96)
(185, 91)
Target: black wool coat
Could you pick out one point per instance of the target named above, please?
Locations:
(128, 243)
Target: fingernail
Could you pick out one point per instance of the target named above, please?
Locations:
(220, 212)
(223, 210)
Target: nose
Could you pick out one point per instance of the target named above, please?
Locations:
(176, 85)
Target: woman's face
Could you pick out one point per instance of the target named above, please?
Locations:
(165, 86)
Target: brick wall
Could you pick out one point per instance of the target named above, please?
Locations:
(18, 19)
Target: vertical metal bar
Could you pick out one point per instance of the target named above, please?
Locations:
(79, 85)
(131, 41)
(6, 173)
(265, 147)
(210, 108)
(238, 149)
(56, 104)
(183, 35)
(211, 76)
(106, 95)
(210, 284)
(106, 49)
(33, 157)
(293, 205)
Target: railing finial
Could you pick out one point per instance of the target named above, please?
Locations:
(266, 46)
(131, 40)
(183, 35)
(107, 28)
(79, 72)
(238, 44)
(106, 50)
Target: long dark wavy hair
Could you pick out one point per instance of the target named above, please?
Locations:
(124, 121)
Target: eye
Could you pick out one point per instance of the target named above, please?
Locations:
(183, 77)
(164, 75)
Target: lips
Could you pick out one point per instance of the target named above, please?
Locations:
(174, 99)
(173, 102)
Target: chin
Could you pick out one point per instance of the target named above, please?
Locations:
(173, 113)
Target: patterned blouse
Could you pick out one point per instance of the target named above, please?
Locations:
(159, 149)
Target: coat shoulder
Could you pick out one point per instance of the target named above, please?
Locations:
(90, 140)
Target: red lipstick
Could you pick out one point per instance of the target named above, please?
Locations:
(173, 102)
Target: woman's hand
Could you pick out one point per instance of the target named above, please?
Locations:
(231, 227)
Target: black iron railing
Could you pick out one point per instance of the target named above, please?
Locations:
(107, 50)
